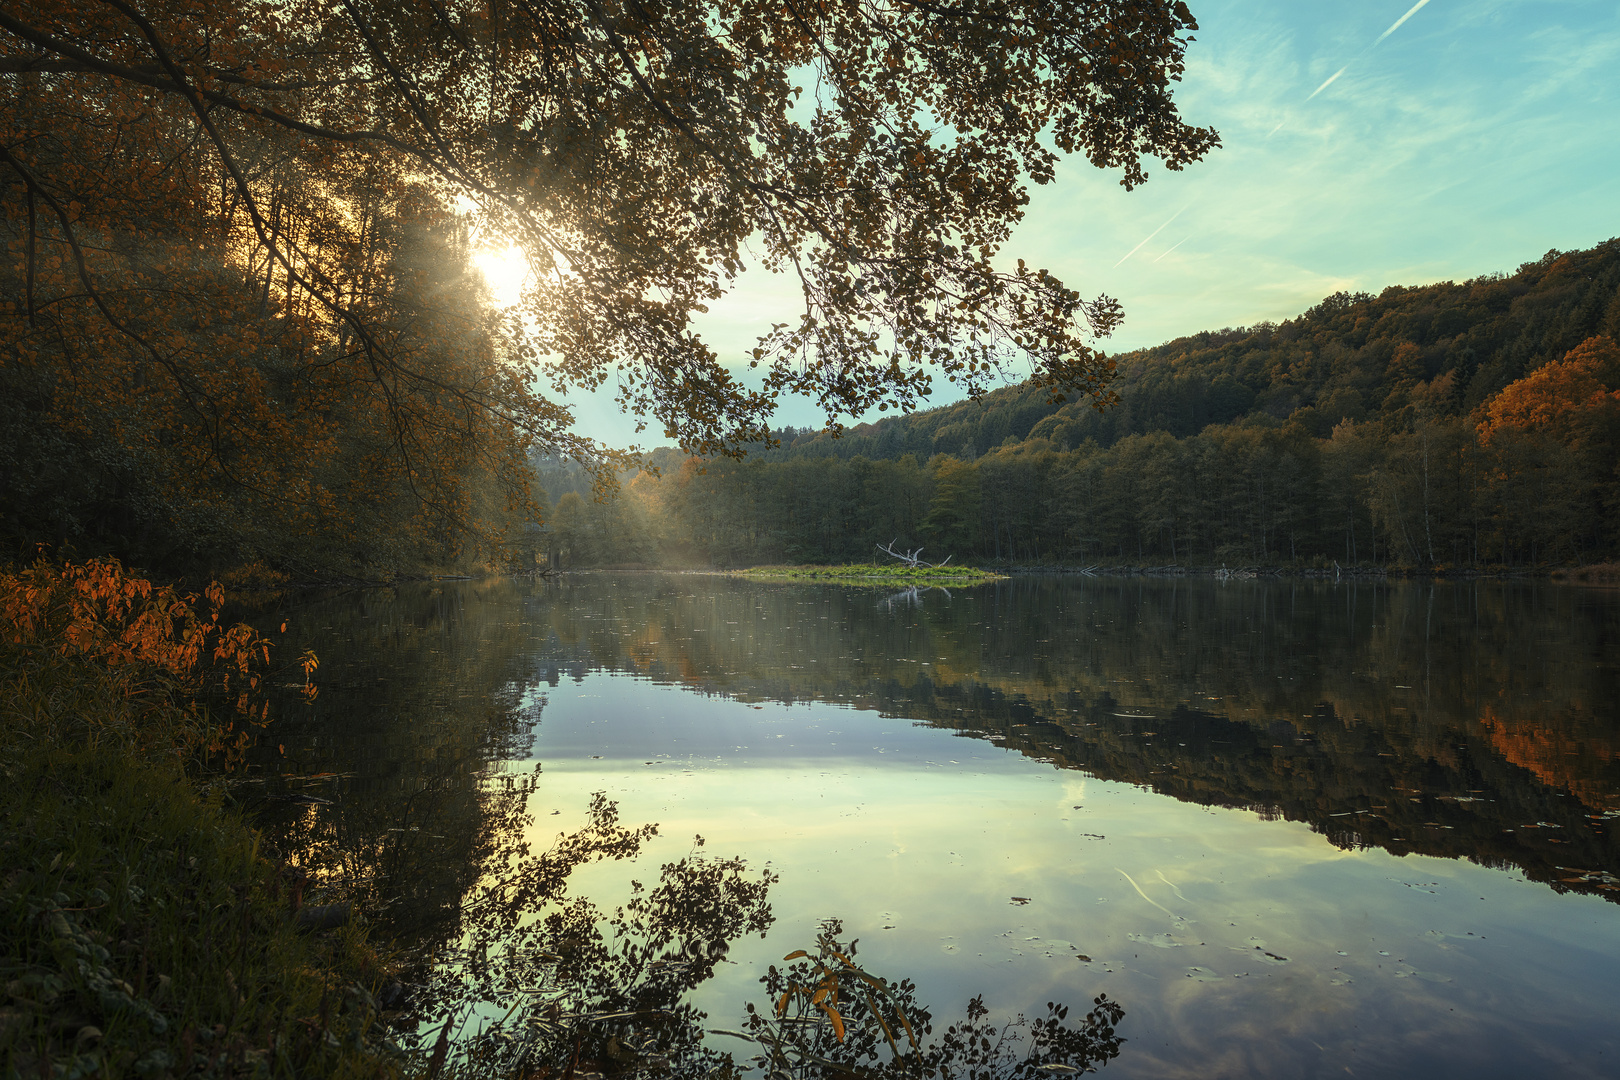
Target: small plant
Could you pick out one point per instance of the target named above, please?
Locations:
(160, 645)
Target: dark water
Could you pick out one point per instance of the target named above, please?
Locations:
(1293, 829)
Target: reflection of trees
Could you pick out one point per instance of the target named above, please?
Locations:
(911, 596)
(541, 983)
(393, 785)
(557, 982)
(1434, 719)
(402, 797)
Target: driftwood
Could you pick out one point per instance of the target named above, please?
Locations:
(912, 559)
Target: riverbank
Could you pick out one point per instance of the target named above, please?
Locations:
(143, 932)
(1596, 574)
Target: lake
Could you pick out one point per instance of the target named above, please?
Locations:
(1292, 828)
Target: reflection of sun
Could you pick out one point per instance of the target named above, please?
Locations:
(505, 270)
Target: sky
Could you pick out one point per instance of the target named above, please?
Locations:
(1366, 144)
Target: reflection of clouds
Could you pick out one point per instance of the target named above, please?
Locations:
(920, 861)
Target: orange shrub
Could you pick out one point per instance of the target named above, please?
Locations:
(158, 642)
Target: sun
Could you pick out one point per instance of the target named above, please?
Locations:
(505, 270)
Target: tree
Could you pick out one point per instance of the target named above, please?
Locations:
(1572, 399)
(1574, 405)
(953, 513)
(172, 160)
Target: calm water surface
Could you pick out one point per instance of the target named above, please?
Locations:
(1294, 829)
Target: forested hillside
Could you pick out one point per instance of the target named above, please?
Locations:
(1469, 424)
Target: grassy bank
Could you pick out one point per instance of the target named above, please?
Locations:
(867, 574)
(142, 931)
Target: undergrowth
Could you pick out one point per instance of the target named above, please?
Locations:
(142, 933)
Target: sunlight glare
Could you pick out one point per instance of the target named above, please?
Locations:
(505, 270)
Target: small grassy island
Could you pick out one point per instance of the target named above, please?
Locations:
(869, 574)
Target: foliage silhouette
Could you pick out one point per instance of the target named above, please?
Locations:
(236, 283)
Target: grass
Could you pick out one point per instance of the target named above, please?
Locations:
(142, 933)
(869, 574)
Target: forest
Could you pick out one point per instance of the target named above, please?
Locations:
(238, 324)
(1447, 426)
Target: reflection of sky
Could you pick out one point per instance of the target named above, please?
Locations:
(1237, 946)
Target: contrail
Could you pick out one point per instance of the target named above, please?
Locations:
(1396, 25)
(1150, 236)
(1334, 76)
(1173, 246)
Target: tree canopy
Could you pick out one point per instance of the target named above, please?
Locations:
(210, 211)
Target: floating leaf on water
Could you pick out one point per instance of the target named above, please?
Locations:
(1020, 900)
(1202, 974)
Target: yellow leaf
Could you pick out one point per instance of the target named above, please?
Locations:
(837, 1023)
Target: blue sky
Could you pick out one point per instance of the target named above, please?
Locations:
(1473, 137)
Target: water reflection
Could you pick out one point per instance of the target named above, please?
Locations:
(912, 596)
(1193, 722)
(1473, 721)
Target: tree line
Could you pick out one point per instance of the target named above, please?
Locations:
(1470, 425)
(237, 323)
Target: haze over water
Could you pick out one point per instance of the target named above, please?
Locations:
(1293, 828)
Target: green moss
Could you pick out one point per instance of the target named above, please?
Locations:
(868, 574)
(141, 931)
